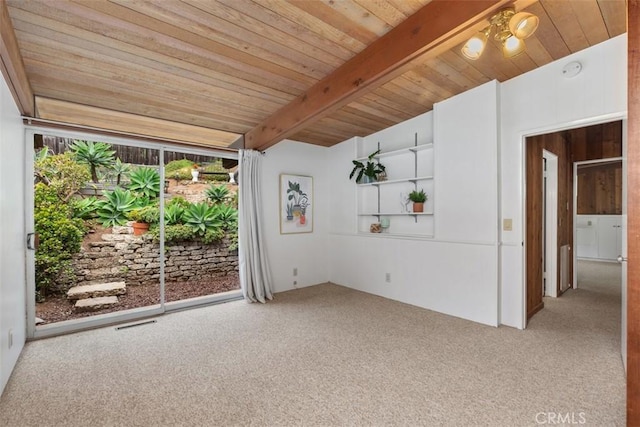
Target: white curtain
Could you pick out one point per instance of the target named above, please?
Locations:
(255, 276)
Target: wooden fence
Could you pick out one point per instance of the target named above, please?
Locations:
(128, 154)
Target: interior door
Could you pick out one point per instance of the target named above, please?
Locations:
(608, 243)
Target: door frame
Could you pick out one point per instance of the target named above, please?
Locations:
(550, 225)
(75, 325)
(595, 120)
(574, 279)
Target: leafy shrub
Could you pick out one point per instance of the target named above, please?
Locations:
(233, 240)
(178, 201)
(149, 214)
(62, 173)
(216, 178)
(41, 154)
(215, 166)
(201, 217)
(179, 169)
(145, 181)
(114, 208)
(212, 235)
(95, 154)
(234, 199)
(180, 232)
(85, 208)
(176, 165)
(172, 233)
(60, 238)
(218, 194)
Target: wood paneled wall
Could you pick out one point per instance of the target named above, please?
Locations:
(588, 143)
(601, 141)
(600, 189)
(558, 145)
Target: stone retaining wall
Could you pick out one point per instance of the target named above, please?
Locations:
(121, 256)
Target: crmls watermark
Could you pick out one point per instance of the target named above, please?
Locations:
(564, 418)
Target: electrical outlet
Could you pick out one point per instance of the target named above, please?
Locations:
(295, 271)
(507, 224)
(10, 338)
(295, 283)
(387, 277)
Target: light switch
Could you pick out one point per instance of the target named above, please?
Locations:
(507, 224)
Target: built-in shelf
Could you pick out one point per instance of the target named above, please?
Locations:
(396, 181)
(395, 214)
(388, 199)
(413, 149)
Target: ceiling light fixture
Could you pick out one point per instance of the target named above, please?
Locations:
(510, 28)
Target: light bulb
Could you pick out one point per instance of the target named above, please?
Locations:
(512, 46)
(523, 24)
(474, 47)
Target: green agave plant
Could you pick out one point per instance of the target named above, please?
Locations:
(121, 170)
(145, 181)
(228, 216)
(201, 217)
(95, 154)
(173, 214)
(86, 208)
(114, 208)
(218, 194)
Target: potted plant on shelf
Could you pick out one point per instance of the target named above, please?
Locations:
(371, 171)
(418, 198)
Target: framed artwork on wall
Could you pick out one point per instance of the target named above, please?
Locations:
(296, 204)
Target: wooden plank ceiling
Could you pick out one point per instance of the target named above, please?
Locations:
(227, 65)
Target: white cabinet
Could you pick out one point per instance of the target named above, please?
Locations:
(609, 237)
(408, 169)
(599, 236)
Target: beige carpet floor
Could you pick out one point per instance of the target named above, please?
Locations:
(327, 355)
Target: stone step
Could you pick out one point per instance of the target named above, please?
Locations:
(94, 304)
(97, 290)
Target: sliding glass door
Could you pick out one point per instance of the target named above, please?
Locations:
(90, 259)
(201, 223)
(122, 227)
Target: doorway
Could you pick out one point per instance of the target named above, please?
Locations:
(571, 145)
(598, 201)
(94, 265)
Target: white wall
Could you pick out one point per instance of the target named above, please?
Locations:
(12, 234)
(306, 251)
(542, 101)
(456, 272)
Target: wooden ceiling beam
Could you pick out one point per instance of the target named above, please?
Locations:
(375, 65)
(12, 66)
